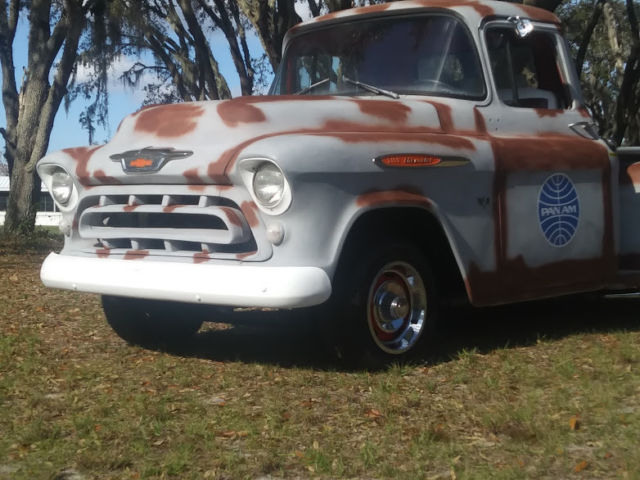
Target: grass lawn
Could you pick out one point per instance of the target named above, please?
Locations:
(548, 390)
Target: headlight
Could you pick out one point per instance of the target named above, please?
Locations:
(61, 186)
(268, 185)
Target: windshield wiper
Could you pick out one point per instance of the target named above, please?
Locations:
(313, 85)
(371, 88)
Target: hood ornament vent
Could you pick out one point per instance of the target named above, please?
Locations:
(149, 159)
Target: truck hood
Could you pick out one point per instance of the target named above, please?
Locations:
(217, 132)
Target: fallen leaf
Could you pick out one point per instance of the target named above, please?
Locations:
(298, 454)
(157, 443)
(216, 401)
(574, 422)
(373, 413)
(581, 466)
(316, 445)
(234, 434)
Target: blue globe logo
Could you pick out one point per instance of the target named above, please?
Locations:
(558, 209)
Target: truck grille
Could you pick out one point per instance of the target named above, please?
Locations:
(174, 225)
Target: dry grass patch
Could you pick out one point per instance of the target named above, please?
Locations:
(534, 391)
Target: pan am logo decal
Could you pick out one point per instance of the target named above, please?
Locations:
(558, 209)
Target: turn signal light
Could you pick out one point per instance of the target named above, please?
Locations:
(410, 160)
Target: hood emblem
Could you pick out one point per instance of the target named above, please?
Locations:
(149, 159)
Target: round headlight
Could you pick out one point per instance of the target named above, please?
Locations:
(268, 185)
(61, 187)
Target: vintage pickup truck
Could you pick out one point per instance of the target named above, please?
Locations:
(407, 153)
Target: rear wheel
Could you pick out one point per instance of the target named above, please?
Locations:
(385, 304)
(151, 322)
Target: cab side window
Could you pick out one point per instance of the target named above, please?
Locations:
(527, 70)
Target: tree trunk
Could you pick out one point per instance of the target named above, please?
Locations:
(271, 21)
(22, 203)
(29, 128)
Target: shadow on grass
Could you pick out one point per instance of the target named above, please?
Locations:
(524, 324)
(291, 339)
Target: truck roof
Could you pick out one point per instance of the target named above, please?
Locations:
(475, 11)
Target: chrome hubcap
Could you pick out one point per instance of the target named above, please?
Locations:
(397, 306)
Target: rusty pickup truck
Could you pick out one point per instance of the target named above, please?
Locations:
(407, 152)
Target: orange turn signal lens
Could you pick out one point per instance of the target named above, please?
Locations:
(410, 160)
(141, 163)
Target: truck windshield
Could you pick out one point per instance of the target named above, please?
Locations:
(423, 55)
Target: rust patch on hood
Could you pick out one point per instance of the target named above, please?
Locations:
(169, 120)
(240, 110)
(393, 111)
(105, 179)
(82, 155)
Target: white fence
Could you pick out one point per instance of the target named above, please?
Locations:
(45, 219)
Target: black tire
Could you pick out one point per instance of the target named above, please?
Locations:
(151, 322)
(384, 306)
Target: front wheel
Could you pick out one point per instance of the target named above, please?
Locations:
(396, 307)
(151, 322)
(386, 304)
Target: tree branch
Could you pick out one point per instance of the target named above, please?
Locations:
(633, 21)
(588, 33)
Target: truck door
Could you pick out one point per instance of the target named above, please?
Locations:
(552, 199)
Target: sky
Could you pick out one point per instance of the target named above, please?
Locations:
(67, 131)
